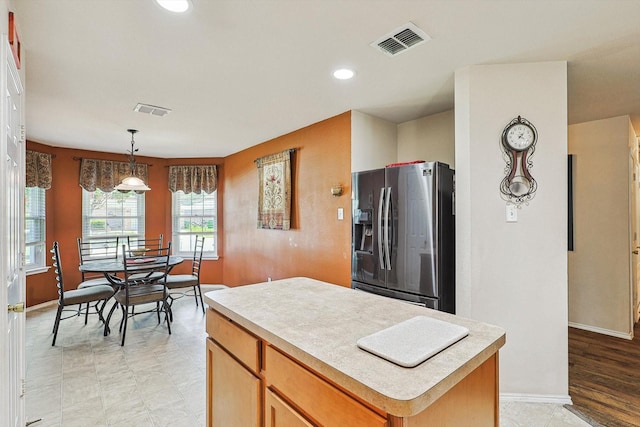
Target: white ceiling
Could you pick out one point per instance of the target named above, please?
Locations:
(237, 73)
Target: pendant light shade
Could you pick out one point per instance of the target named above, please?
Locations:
(177, 6)
(132, 182)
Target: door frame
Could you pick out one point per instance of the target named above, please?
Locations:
(12, 325)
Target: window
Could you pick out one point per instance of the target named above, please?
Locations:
(195, 215)
(112, 214)
(35, 222)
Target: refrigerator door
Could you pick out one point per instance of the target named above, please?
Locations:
(412, 234)
(367, 250)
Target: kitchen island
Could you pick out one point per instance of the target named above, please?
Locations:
(284, 353)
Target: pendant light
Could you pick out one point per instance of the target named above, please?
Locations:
(132, 182)
(177, 6)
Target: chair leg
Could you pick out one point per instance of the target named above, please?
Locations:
(167, 311)
(195, 294)
(86, 313)
(158, 310)
(125, 314)
(200, 296)
(56, 324)
(125, 318)
(170, 302)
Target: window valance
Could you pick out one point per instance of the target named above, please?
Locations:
(193, 179)
(38, 169)
(106, 174)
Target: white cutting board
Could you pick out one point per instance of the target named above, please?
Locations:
(413, 341)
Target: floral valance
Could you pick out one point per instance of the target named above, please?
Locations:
(106, 174)
(38, 169)
(193, 179)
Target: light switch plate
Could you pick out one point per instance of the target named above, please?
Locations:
(340, 214)
(512, 213)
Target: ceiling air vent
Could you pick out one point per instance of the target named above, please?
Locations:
(152, 109)
(401, 39)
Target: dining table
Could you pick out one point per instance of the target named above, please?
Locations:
(143, 267)
(139, 265)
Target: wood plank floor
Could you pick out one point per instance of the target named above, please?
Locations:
(604, 377)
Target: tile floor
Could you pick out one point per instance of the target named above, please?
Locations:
(156, 379)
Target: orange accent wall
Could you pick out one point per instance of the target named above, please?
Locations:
(318, 244)
(64, 215)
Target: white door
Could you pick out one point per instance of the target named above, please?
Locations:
(12, 183)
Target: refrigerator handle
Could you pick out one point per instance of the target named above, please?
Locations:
(387, 241)
(380, 205)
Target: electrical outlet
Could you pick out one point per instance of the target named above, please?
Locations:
(512, 213)
(340, 214)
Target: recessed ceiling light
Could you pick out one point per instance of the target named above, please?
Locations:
(343, 74)
(177, 6)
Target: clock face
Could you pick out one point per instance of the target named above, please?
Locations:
(520, 137)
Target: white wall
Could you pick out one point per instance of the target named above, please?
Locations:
(515, 274)
(599, 267)
(373, 142)
(430, 138)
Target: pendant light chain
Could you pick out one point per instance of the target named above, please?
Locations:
(132, 182)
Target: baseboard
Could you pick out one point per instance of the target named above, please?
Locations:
(210, 287)
(617, 334)
(536, 398)
(42, 305)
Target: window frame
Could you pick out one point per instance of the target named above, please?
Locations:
(38, 246)
(176, 234)
(139, 232)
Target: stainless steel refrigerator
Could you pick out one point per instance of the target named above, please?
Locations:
(403, 236)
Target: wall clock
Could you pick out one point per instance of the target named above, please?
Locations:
(518, 142)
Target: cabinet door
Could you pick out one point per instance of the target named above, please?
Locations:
(278, 414)
(233, 393)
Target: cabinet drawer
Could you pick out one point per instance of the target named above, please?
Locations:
(244, 346)
(318, 399)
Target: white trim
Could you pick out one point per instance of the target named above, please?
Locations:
(617, 334)
(37, 270)
(536, 398)
(630, 220)
(42, 305)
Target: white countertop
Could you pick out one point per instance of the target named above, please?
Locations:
(319, 324)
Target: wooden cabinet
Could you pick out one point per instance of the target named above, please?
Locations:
(234, 388)
(278, 414)
(233, 392)
(252, 383)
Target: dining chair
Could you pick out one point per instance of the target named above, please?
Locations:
(142, 246)
(145, 246)
(103, 248)
(66, 298)
(95, 250)
(179, 281)
(140, 288)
